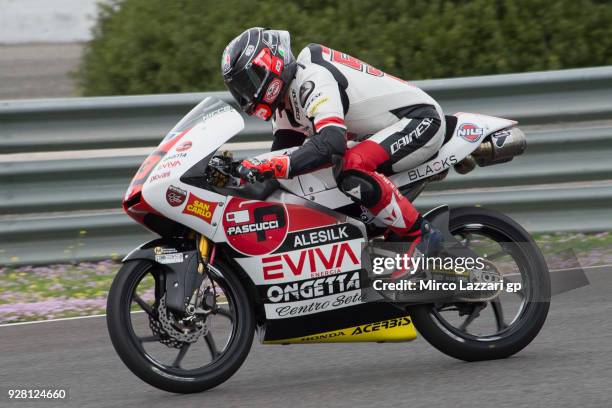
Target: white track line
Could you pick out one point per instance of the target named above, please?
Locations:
(63, 319)
(582, 267)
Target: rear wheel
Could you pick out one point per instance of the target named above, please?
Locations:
(506, 324)
(173, 352)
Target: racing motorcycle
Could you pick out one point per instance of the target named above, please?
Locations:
(284, 258)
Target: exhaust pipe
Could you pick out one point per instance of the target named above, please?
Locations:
(501, 147)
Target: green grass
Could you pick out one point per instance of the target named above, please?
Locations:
(54, 291)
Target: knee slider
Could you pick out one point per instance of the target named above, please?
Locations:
(360, 187)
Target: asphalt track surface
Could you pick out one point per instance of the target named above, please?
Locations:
(568, 365)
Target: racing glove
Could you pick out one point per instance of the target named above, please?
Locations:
(253, 170)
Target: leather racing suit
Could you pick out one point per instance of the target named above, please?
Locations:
(335, 98)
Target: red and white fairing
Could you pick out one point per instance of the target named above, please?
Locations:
(300, 254)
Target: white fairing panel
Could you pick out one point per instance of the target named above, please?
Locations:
(163, 190)
(470, 131)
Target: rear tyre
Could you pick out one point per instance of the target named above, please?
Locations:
(508, 338)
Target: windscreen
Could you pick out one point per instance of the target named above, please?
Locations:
(207, 107)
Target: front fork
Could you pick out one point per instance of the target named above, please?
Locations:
(205, 254)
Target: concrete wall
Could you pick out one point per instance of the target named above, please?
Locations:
(46, 21)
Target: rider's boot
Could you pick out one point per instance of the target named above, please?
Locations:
(426, 241)
(405, 223)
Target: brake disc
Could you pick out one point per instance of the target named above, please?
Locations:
(170, 331)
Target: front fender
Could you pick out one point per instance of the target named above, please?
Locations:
(158, 246)
(179, 262)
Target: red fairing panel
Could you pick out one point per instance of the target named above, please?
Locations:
(255, 228)
(138, 210)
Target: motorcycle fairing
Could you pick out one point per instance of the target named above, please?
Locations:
(305, 265)
(208, 126)
(397, 329)
(365, 322)
(313, 309)
(470, 131)
(359, 321)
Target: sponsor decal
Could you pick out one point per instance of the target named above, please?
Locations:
(277, 65)
(323, 236)
(432, 168)
(355, 192)
(159, 176)
(499, 138)
(226, 64)
(305, 91)
(199, 208)
(386, 324)
(273, 90)
(414, 135)
(169, 258)
(306, 307)
(366, 215)
(296, 107)
(183, 147)
(161, 250)
(311, 99)
(315, 106)
(470, 132)
(255, 227)
(170, 164)
(322, 337)
(238, 216)
(269, 61)
(175, 156)
(258, 227)
(313, 288)
(262, 111)
(215, 113)
(150, 163)
(175, 196)
(392, 214)
(249, 50)
(310, 234)
(318, 261)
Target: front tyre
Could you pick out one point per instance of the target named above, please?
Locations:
(170, 351)
(460, 329)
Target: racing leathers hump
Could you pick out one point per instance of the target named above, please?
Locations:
(332, 88)
(334, 98)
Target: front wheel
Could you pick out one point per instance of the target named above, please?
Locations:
(178, 352)
(505, 325)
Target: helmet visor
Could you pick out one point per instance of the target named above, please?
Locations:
(246, 85)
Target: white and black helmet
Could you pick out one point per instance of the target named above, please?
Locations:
(257, 67)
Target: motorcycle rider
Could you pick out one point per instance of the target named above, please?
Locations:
(329, 98)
